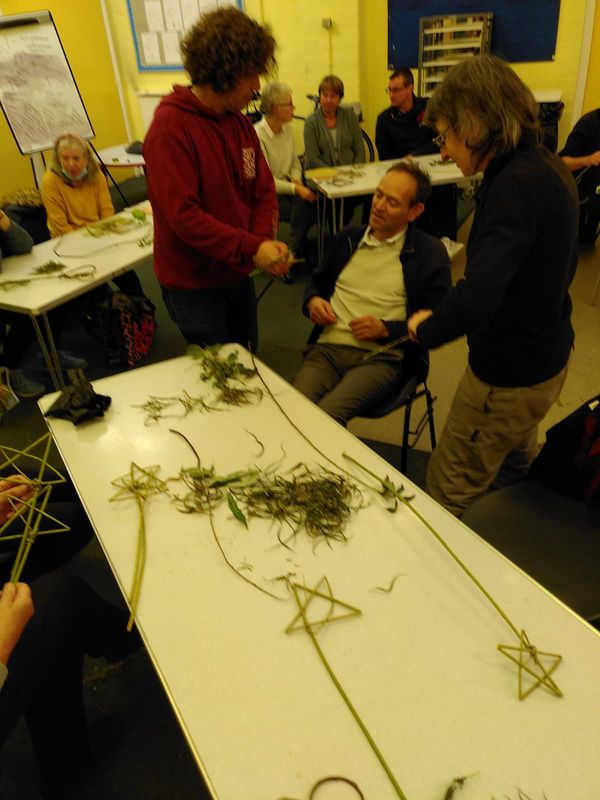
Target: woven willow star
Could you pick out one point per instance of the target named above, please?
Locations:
(31, 517)
(141, 482)
(335, 610)
(530, 660)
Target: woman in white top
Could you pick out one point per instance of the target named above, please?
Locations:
(296, 201)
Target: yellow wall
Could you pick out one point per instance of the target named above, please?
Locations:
(355, 49)
(361, 60)
(85, 43)
(591, 98)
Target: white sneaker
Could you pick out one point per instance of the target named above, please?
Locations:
(453, 248)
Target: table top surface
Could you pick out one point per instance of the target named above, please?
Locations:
(420, 663)
(117, 156)
(111, 254)
(357, 179)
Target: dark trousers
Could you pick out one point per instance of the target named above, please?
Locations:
(215, 315)
(301, 215)
(45, 672)
(18, 333)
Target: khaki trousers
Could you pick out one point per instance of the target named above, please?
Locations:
(490, 437)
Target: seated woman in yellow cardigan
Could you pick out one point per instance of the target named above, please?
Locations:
(75, 194)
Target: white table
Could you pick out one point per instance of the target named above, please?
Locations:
(111, 255)
(117, 156)
(259, 711)
(354, 180)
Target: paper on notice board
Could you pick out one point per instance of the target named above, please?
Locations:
(170, 43)
(150, 48)
(189, 13)
(154, 15)
(172, 14)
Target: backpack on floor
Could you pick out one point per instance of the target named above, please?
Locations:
(569, 461)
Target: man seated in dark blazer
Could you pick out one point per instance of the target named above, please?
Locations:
(369, 283)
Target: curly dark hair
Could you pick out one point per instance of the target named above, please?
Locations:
(226, 45)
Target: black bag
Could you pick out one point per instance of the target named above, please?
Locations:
(569, 461)
(124, 323)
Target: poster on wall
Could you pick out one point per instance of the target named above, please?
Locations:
(38, 93)
(523, 30)
(159, 25)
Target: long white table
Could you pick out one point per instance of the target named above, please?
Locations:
(117, 156)
(354, 180)
(110, 255)
(420, 664)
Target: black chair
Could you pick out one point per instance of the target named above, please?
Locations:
(410, 390)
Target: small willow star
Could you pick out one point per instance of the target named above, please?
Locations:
(530, 660)
(141, 482)
(336, 610)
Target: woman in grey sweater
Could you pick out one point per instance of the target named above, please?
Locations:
(332, 134)
(15, 241)
(332, 137)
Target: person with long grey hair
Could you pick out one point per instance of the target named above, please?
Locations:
(513, 302)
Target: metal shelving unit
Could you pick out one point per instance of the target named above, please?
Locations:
(446, 39)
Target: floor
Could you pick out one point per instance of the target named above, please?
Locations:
(150, 758)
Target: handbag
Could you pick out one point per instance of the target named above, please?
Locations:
(124, 324)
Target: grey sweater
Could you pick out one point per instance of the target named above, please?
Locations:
(14, 242)
(318, 144)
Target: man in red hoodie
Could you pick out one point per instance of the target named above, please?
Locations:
(212, 192)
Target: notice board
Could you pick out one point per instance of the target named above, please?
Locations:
(159, 25)
(523, 30)
(38, 93)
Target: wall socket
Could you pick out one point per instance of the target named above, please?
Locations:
(327, 23)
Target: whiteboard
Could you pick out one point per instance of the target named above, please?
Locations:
(38, 93)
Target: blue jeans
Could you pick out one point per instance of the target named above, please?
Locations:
(216, 315)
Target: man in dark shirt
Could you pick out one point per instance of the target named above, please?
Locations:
(400, 128)
(581, 154)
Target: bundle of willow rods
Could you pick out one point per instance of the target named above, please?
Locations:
(317, 501)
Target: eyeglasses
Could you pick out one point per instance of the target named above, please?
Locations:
(395, 89)
(440, 139)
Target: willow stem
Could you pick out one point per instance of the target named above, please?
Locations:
(444, 544)
(344, 696)
(140, 563)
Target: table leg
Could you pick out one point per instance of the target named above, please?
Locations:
(321, 222)
(341, 216)
(595, 292)
(49, 351)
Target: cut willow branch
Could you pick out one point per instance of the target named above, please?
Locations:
(227, 375)
(318, 501)
(540, 673)
(155, 406)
